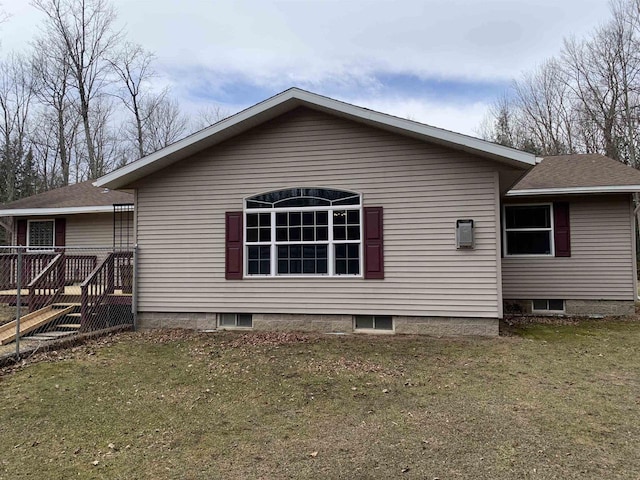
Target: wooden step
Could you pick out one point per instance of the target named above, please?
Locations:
(65, 304)
(75, 326)
(75, 315)
(46, 336)
(31, 322)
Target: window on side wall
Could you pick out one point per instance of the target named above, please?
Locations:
(528, 230)
(303, 232)
(40, 235)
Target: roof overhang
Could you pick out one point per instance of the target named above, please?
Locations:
(36, 212)
(293, 98)
(573, 190)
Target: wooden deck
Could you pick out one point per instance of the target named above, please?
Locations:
(71, 293)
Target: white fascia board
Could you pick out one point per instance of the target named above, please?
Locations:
(288, 100)
(32, 212)
(574, 190)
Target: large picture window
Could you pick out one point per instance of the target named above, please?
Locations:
(528, 229)
(304, 231)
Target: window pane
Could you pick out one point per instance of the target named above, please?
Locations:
(353, 232)
(540, 305)
(245, 320)
(295, 218)
(281, 235)
(339, 232)
(308, 218)
(307, 234)
(339, 217)
(528, 216)
(383, 323)
(529, 243)
(228, 319)
(265, 234)
(353, 267)
(322, 234)
(252, 220)
(322, 218)
(252, 234)
(364, 321)
(557, 305)
(295, 234)
(281, 219)
(41, 234)
(353, 217)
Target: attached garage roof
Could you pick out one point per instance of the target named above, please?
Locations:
(588, 173)
(83, 197)
(294, 98)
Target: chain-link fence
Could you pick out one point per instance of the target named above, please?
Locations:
(53, 297)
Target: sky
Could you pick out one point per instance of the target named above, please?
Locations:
(440, 62)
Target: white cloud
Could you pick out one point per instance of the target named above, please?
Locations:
(279, 43)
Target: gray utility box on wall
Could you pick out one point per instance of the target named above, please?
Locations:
(464, 233)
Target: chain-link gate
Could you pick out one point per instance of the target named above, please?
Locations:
(51, 297)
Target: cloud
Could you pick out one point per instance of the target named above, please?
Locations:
(439, 61)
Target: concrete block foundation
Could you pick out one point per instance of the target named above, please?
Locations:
(576, 308)
(435, 326)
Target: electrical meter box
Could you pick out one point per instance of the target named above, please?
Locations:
(464, 234)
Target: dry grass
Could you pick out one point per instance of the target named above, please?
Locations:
(552, 401)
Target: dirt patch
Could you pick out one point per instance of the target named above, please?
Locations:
(8, 313)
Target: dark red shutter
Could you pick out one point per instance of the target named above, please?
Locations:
(233, 239)
(561, 233)
(60, 232)
(373, 247)
(21, 232)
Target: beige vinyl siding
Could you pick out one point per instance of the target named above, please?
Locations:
(90, 230)
(601, 265)
(423, 189)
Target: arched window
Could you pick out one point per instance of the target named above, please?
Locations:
(303, 231)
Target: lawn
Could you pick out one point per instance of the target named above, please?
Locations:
(549, 402)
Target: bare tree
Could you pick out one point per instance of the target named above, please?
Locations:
(16, 94)
(207, 116)
(165, 125)
(133, 66)
(85, 29)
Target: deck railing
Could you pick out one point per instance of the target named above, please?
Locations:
(113, 273)
(44, 288)
(77, 267)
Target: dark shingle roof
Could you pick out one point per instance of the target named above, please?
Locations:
(82, 194)
(575, 171)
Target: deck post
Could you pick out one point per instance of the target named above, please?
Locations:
(84, 306)
(18, 302)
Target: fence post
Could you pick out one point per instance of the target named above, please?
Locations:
(18, 302)
(134, 289)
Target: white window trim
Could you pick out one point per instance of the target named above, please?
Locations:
(330, 241)
(375, 331)
(547, 310)
(551, 230)
(36, 248)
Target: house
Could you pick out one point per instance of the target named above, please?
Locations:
(304, 212)
(70, 256)
(78, 215)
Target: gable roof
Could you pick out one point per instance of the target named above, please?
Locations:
(83, 197)
(293, 98)
(580, 173)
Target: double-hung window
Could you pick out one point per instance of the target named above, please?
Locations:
(303, 232)
(528, 229)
